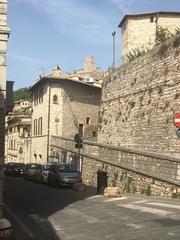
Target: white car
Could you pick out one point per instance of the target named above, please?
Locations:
(29, 170)
(41, 173)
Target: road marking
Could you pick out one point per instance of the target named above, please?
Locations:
(115, 199)
(133, 225)
(96, 196)
(168, 205)
(21, 224)
(171, 234)
(140, 201)
(155, 211)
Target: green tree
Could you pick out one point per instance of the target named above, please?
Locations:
(22, 94)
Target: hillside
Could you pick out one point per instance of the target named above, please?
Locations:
(22, 94)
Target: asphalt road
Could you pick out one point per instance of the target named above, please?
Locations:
(41, 212)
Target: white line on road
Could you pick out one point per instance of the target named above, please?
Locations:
(96, 196)
(114, 199)
(21, 224)
(155, 211)
(140, 201)
(167, 205)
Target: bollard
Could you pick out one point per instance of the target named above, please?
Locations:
(5, 229)
(101, 181)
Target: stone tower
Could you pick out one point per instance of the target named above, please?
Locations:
(89, 64)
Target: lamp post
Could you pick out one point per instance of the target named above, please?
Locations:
(113, 36)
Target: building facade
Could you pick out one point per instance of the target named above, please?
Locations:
(62, 107)
(140, 30)
(18, 133)
(4, 34)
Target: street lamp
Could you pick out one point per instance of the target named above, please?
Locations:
(113, 36)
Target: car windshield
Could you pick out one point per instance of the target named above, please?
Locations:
(46, 167)
(65, 168)
(19, 165)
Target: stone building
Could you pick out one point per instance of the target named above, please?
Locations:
(90, 72)
(62, 107)
(18, 131)
(4, 34)
(140, 30)
(21, 105)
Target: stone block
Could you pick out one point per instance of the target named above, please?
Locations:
(112, 192)
(79, 187)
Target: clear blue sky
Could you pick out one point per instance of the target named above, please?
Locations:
(49, 32)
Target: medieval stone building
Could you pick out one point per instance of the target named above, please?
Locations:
(62, 107)
(18, 131)
(140, 30)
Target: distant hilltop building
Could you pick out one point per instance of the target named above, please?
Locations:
(90, 73)
(139, 30)
(21, 105)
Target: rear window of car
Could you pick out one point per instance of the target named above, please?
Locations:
(19, 165)
(65, 168)
(32, 166)
(16, 165)
(46, 167)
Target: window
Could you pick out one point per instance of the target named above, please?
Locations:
(41, 95)
(87, 120)
(35, 127)
(36, 98)
(11, 143)
(81, 129)
(55, 99)
(94, 134)
(40, 126)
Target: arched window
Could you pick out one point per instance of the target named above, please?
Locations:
(55, 99)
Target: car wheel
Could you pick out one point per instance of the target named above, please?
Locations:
(57, 184)
(49, 183)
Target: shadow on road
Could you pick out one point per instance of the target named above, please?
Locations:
(34, 203)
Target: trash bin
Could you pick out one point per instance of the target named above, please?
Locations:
(101, 181)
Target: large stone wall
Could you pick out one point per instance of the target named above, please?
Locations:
(134, 171)
(139, 101)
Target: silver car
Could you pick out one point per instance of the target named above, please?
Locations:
(63, 175)
(41, 173)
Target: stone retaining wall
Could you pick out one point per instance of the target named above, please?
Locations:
(139, 101)
(134, 171)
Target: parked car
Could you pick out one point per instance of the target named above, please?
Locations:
(41, 173)
(29, 171)
(63, 175)
(14, 169)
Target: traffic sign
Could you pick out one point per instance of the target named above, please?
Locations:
(78, 141)
(77, 138)
(178, 132)
(177, 120)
